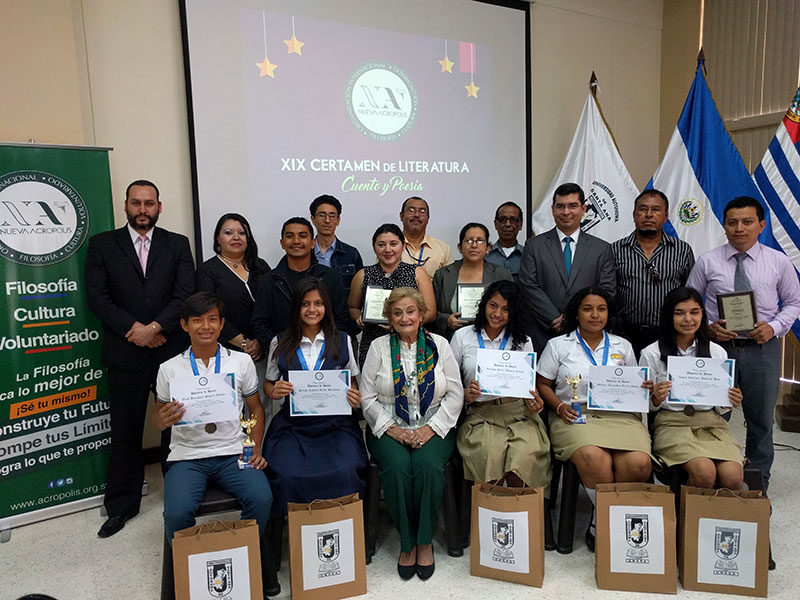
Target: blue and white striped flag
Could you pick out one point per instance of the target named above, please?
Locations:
(701, 172)
(778, 178)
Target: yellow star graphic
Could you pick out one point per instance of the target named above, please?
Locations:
(447, 64)
(294, 45)
(472, 89)
(267, 68)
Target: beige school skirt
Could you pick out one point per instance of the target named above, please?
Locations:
(497, 439)
(679, 438)
(605, 429)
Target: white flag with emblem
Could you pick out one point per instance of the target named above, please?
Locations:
(594, 163)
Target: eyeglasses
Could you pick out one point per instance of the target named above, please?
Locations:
(417, 211)
(654, 274)
(508, 220)
(475, 241)
(327, 216)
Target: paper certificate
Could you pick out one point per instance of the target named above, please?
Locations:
(316, 393)
(469, 296)
(618, 388)
(374, 298)
(207, 398)
(506, 373)
(703, 381)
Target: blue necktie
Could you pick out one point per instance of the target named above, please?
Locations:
(568, 254)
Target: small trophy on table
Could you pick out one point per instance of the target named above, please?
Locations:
(574, 382)
(248, 445)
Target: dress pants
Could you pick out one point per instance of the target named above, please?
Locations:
(413, 483)
(185, 485)
(128, 393)
(758, 376)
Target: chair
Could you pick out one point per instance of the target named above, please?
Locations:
(450, 512)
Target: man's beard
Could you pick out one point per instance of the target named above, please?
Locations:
(151, 222)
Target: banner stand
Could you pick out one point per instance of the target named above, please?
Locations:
(54, 418)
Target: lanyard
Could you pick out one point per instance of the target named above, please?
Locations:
(302, 358)
(589, 352)
(419, 260)
(193, 362)
(502, 344)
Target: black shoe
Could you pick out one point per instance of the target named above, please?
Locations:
(272, 591)
(406, 572)
(111, 526)
(425, 571)
(590, 539)
(771, 562)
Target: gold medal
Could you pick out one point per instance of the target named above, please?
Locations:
(211, 427)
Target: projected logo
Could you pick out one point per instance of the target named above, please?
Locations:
(381, 101)
(43, 219)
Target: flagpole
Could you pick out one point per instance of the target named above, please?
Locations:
(593, 88)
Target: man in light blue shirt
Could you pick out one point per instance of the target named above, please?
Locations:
(329, 250)
(506, 251)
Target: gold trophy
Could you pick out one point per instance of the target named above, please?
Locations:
(248, 445)
(574, 382)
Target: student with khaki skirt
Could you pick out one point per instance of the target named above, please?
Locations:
(501, 439)
(610, 446)
(695, 437)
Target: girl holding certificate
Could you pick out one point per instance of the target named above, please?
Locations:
(311, 457)
(501, 439)
(473, 269)
(695, 437)
(412, 399)
(609, 446)
(390, 272)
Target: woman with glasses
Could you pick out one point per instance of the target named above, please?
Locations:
(389, 273)
(473, 270)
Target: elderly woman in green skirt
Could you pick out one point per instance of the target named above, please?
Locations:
(411, 397)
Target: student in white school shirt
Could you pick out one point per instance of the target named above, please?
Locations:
(610, 446)
(202, 454)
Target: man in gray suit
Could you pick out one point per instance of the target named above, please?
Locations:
(559, 262)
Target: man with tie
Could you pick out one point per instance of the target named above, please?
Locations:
(559, 262)
(137, 278)
(742, 265)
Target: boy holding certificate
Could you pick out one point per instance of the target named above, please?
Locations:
(206, 441)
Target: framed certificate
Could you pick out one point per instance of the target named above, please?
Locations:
(618, 388)
(703, 381)
(469, 296)
(374, 298)
(739, 311)
(206, 398)
(317, 393)
(506, 372)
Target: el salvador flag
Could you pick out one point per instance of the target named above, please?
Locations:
(701, 172)
(778, 178)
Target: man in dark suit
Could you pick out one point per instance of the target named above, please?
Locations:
(137, 278)
(559, 262)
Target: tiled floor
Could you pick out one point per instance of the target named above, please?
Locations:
(64, 558)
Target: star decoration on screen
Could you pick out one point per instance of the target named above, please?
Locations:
(294, 45)
(472, 90)
(447, 64)
(267, 68)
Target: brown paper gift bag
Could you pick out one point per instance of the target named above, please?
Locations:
(507, 534)
(724, 541)
(217, 559)
(326, 549)
(635, 543)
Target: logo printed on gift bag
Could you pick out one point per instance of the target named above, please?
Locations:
(726, 547)
(503, 537)
(637, 535)
(328, 552)
(220, 577)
